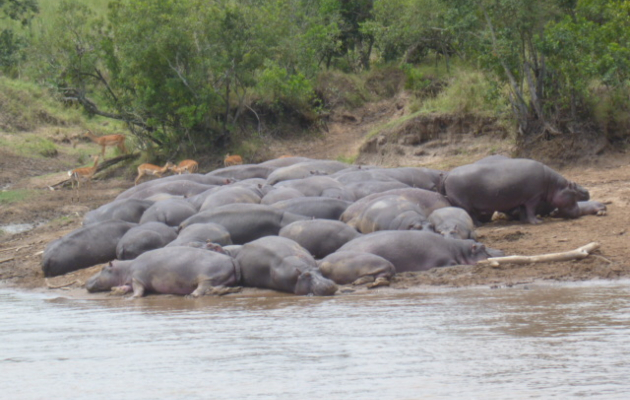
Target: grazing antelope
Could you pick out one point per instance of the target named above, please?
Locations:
(84, 174)
(189, 166)
(150, 169)
(232, 160)
(108, 140)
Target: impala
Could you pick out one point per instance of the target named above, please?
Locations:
(84, 174)
(189, 166)
(108, 140)
(232, 160)
(150, 169)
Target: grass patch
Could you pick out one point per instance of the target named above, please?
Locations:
(29, 145)
(14, 196)
(340, 89)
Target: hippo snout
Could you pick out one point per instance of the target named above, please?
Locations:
(312, 282)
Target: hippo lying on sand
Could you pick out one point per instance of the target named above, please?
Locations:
(171, 270)
(420, 251)
(279, 263)
(351, 267)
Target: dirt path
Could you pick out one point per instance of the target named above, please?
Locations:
(607, 178)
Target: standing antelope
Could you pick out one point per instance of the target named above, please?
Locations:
(150, 169)
(108, 140)
(189, 166)
(84, 174)
(232, 160)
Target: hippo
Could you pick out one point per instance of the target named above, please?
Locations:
(351, 267)
(229, 195)
(129, 210)
(171, 212)
(390, 213)
(420, 250)
(171, 270)
(507, 184)
(84, 247)
(415, 177)
(367, 188)
(280, 194)
(281, 264)
(194, 178)
(320, 237)
(304, 170)
(243, 171)
(208, 232)
(245, 222)
(427, 200)
(348, 175)
(453, 222)
(314, 207)
(285, 161)
(586, 208)
(142, 238)
(319, 186)
(175, 187)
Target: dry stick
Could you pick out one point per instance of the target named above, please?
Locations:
(6, 259)
(576, 254)
(60, 286)
(14, 248)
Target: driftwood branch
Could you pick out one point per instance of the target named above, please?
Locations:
(63, 285)
(579, 253)
(6, 259)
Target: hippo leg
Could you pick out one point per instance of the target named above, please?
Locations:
(138, 288)
(380, 281)
(528, 212)
(206, 288)
(120, 290)
(363, 280)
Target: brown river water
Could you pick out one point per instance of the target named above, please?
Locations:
(548, 341)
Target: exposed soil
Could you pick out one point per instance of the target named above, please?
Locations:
(443, 143)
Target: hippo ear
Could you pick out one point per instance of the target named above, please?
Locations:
(477, 248)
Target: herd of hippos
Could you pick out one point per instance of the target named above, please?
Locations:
(304, 226)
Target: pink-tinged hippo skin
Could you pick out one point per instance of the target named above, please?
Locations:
(453, 222)
(229, 195)
(145, 237)
(245, 222)
(84, 247)
(351, 267)
(281, 264)
(193, 178)
(304, 170)
(244, 171)
(202, 233)
(129, 210)
(171, 270)
(170, 212)
(314, 207)
(390, 213)
(420, 251)
(427, 200)
(505, 185)
(320, 237)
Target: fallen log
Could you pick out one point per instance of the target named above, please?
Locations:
(579, 253)
(104, 165)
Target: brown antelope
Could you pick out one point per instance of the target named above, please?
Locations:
(108, 140)
(150, 169)
(84, 174)
(232, 160)
(189, 166)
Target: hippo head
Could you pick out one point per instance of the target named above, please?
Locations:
(581, 193)
(475, 251)
(312, 282)
(111, 275)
